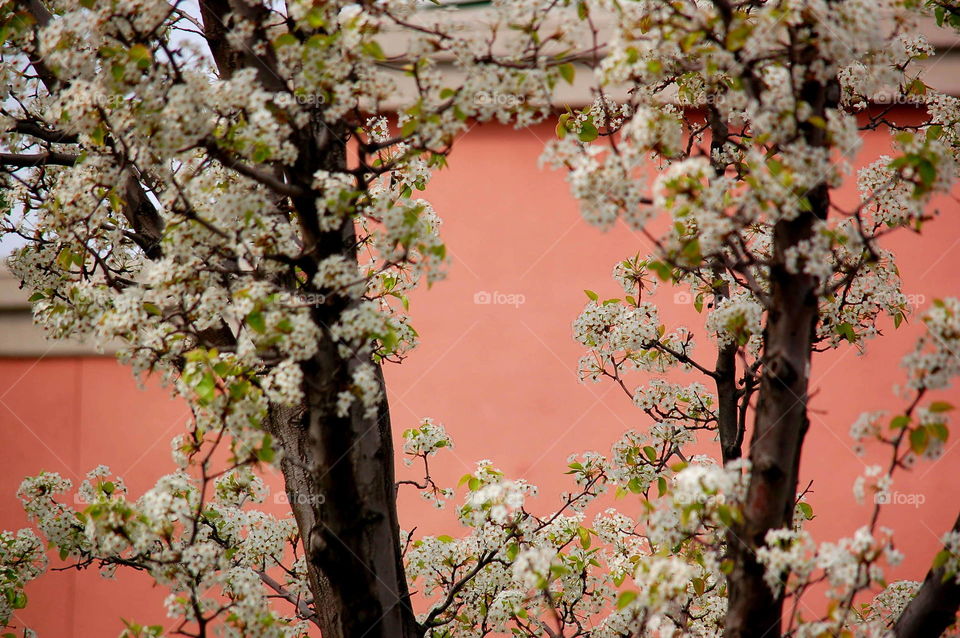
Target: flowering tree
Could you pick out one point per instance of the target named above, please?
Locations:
(229, 194)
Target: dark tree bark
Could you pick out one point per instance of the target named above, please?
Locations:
(781, 423)
(753, 610)
(935, 606)
(725, 374)
(338, 471)
(731, 438)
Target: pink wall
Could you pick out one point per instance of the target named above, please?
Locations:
(502, 378)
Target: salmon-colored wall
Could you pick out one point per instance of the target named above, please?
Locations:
(500, 377)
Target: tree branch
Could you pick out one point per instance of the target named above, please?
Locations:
(33, 128)
(935, 606)
(45, 158)
(302, 607)
(270, 181)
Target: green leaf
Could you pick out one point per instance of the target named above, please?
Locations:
(699, 586)
(141, 55)
(409, 127)
(284, 40)
(661, 269)
(625, 598)
(390, 340)
(567, 72)
(37, 296)
(940, 406)
(941, 559)
(99, 135)
(19, 600)
(938, 431)
(918, 440)
(845, 330)
(651, 452)
(267, 453)
(206, 388)
(592, 295)
(65, 258)
(256, 321)
(373, 49)
(725, 515)
(261, 153)
(899, 422)
(315, 18)
(588, 132)
(584, 535)
(928, 172)
(562, 125)
(806, 510)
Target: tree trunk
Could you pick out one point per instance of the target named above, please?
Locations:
(338, 471)
(753, 610)
(781, 423)
(340, 484)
